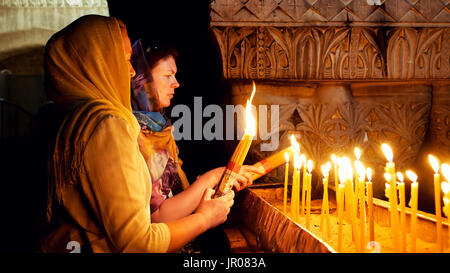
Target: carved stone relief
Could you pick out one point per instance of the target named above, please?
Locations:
(333, 53)
(52, 3)
(440, 120)
(320, 11)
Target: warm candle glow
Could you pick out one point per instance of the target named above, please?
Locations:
(437, 201)
(308, 193)
(434, 163)
(359, 168)
(387, 152)
(253, 92)
(303, 158)
(310, 166)
(413, 202)
(445, 168)
(401, 192)
(445, 187)
(333, 158)
(347, 165)
(304, 186)
(369, 174)
(342, 175)
(357, 153)
(391, 193)
(250, 123)
(328, 166)
(295, 188)
(297, 162)
(400, 176)
(286, 180)
(369, 188)
(387, 186)
(295, 144)
(326, 169)
(325, 206)
(387, 176)
(411, 176)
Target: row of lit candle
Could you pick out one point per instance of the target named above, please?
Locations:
(400, 241)
(351, 194)
(353, 191)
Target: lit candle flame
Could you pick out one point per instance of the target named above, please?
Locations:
(253, 92)
(295, 144)
(359, 167)
(286, 157)
(342, 175)
(369, 174)
(400, 176)
(250, 123)
(434, 163)
(357, 153)
(310, 166)
(387, 176)
(445, 187)
(339, 161)
(326, 169)
(303, 158)
(297, 162)
(347, 165)
(445, 168)
(328, 165)
(411, 176)
(387, 152)
(333, 158)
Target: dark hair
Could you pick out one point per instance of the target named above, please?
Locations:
(156, 51)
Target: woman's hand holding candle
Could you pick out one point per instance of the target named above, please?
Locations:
(243, 179)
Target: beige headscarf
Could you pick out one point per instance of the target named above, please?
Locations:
(87, 73)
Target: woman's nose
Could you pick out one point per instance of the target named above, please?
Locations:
(175, 83)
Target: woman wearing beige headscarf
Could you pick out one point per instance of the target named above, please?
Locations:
(99, 184)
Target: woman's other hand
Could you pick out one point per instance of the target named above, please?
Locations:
(215, 211)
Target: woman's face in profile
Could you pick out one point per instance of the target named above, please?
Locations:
(164, 81)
